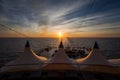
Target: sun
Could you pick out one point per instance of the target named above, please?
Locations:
(60, 34)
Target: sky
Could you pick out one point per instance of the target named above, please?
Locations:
(74, 18)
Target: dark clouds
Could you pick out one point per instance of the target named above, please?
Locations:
(67, 15)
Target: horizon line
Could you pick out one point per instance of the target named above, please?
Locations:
(58, 37)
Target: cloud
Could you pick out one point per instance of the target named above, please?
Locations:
(46, 16)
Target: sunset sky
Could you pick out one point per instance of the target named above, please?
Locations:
(74, 18)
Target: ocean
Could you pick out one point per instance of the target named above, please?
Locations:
(11, 48)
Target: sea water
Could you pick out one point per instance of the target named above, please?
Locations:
(11, 48)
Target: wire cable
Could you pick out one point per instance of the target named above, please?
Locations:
(7, 27)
